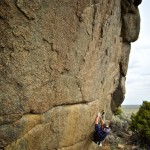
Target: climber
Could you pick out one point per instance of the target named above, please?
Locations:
(101, 130)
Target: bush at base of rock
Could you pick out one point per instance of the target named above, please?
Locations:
(140, 123)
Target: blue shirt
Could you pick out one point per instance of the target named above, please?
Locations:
(99, 134)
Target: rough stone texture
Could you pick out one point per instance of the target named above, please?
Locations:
(61, 61)
(130, 20)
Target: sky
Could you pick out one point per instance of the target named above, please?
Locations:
(138, 74)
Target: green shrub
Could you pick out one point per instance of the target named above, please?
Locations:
(118, 111)
(140, 122)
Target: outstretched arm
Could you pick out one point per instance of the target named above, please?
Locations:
(99, 119)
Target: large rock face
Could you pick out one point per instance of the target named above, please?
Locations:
(61, 62)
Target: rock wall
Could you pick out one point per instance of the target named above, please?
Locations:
(61, 62)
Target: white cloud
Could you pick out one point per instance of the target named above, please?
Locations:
(138, 77)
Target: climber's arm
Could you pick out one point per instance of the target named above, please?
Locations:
(101, 121)
(97, 119)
